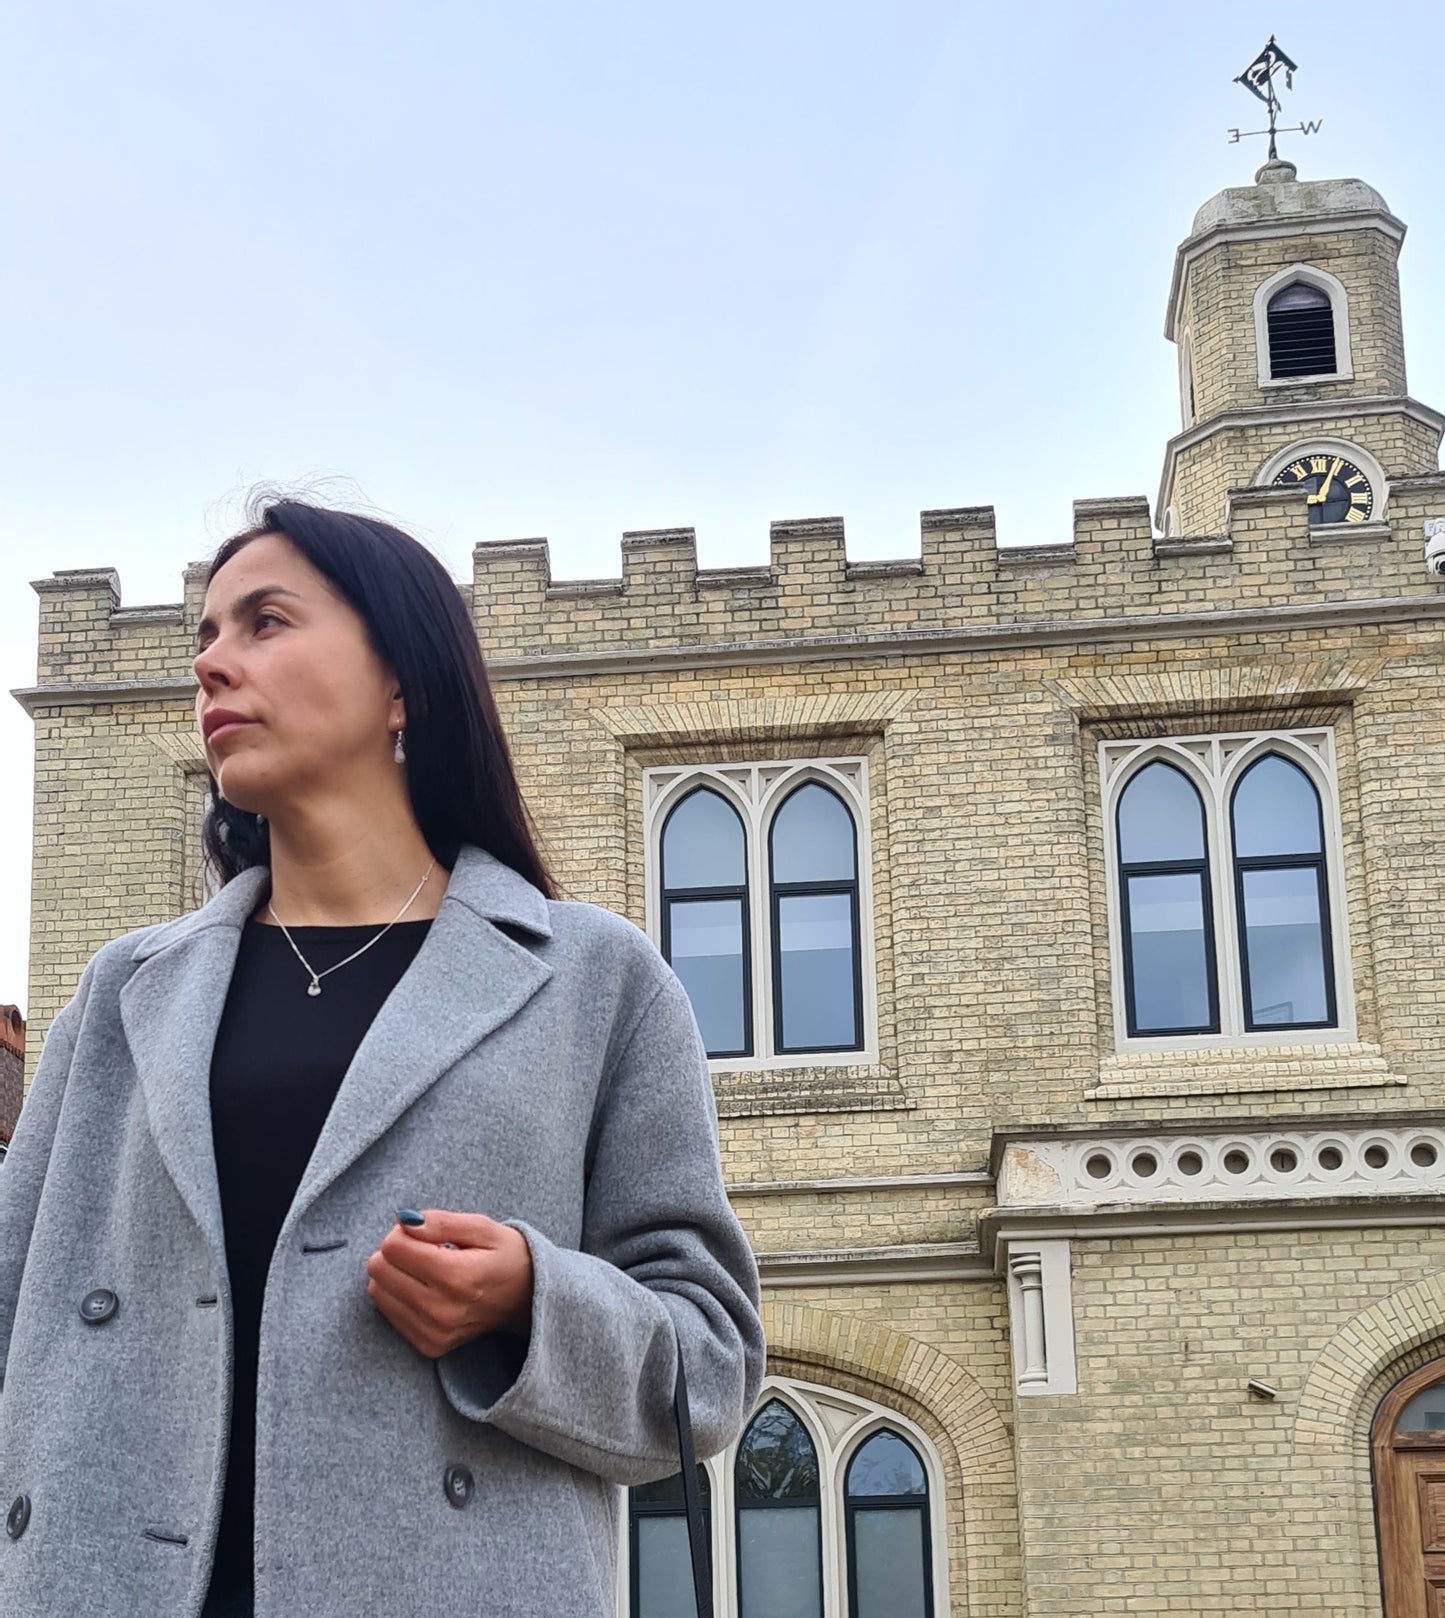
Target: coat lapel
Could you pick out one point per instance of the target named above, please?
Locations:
(466, 980)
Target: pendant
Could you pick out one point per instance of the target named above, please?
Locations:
(313, 987)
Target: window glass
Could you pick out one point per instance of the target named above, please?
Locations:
(779, 1536)
(815, 949)
(1425, 1413)
(889, 1559)
(1284, 943)
(664, 1568)
(886, 1465)
(812, 838)
(776, 1458)
(702, 843)
(705, 949)
(1161, 817)
(1276, 810)
(779, 1565)
(1167, 949)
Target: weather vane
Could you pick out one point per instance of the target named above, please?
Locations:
(1258, 79)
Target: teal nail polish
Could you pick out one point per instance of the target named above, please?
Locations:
(409, 1216)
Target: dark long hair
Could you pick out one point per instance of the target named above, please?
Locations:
(459, 772)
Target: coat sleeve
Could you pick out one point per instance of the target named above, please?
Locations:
(22, 1174)
(663, 1256)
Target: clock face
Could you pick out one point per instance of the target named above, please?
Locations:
(1339, 490)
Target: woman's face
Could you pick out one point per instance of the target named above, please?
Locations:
(278, 646)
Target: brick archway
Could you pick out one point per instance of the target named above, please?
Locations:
(861, 1356)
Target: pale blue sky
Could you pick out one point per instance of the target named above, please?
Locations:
(568, 270)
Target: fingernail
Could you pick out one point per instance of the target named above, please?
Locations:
(409, 1216)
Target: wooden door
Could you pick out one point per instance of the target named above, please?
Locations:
(1409, 1463)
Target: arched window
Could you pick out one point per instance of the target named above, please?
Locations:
(1226, 905)
(827, 1504)
(813, 887)
(659, 1556)
(705, 917)
(1186, 378)
(758, 894)
(1301, 323)
(1170, 984)
(779, 1518)
(886, 1504)
(1283, 900)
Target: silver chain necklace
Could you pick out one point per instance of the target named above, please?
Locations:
(314, 987)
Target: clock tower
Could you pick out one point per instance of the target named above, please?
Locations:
(1285, 310)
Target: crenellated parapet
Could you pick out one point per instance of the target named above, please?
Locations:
(1114, 568)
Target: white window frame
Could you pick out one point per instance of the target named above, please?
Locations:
(755, 790)
(838, 1423)
(1334, 290)
(1186, 376)
(1214, 763)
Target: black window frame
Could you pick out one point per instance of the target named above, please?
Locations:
(665, 1508)
(890, 1502)
(1128, 869)
(782, 890)
(670, 896)
(1278, 862)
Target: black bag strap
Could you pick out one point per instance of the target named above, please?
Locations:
(696, 1532)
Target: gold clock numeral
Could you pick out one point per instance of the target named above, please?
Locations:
(1354, 514)
(1319, 463)
(1299, 470)
(1359, 477)
(1360, 498)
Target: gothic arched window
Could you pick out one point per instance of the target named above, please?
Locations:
(779, 1518)
(1170, 983)
(826, 1504)
(813, 890)
(705, 933)
(885, 1496)
(1301, 321)
(1227, 912)
(758, 896)
(1283, 897)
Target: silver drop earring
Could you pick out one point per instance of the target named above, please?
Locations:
(399, 752)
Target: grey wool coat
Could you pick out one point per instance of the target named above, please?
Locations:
(539, 1061)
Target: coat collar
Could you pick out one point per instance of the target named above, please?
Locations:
(478, 880)
(467, 979)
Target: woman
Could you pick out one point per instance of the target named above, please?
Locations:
(353, 1222)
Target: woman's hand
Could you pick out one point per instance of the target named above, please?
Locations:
(438, 1296)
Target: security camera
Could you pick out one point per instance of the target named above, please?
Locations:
(1261, 1390)
(1435, 545)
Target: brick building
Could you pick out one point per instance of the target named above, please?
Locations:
(12, 1070)
(1064, 924)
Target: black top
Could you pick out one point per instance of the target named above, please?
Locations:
(279, 1058)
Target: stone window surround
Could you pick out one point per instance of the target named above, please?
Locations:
(1334, 290)
(838, 1423)
(1186, 377)
(1214, 766)
(755, 789)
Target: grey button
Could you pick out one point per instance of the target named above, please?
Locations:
(18, 1515)
(458, 1486)
(98, 1305)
